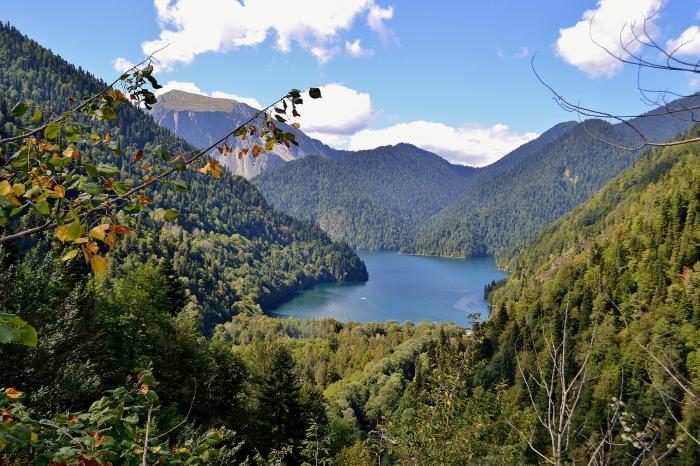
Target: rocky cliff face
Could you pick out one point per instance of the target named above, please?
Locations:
(201, 120)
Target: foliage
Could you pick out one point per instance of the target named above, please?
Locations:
(225, 222)
(373, 199)
(119, 428)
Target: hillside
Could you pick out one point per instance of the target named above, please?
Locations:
(625, 268)
(371, 199)
(521, 198)
(200, 120)
(235, 252)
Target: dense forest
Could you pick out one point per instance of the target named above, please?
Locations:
(400, 198)
(371, 199)
(234, 251)
(590, 355)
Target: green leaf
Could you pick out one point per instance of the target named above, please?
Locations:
(181, 186)
(315, 93)
(108, 171)
(38, 115)
(19, 110)
(43, 208)
(171, 214)
(114, 145)
(89, 168)
(280, 119)
(52, 131)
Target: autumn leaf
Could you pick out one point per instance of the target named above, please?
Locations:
(99, 231)
(107, 138)
(143, 389)
(13, 393)
(59, 192)
(256, 150)
(269, 144)
(242, 153)
(296, 125)
(98, 264)
(99, 440)
(213, 167)
(70, 255)
(219, 434)
(18, 189)
(138, 156)
(5, 188)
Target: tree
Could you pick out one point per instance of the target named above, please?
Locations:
(282, 417)
(635, 39)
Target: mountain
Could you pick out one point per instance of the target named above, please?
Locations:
(201, 120)
(622, 271)
(372, 199)
(513, 201)
(235, 252)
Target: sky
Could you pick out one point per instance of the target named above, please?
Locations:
(454, 77)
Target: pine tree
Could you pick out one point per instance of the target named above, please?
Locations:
(281, 414)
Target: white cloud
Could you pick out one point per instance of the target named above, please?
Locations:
(688, 43)
(376, 18)
(324, 54)
(499, 52)
(356, 50)
(471, 144)
(192, 27)
(194, 89)
(524, 52)
(608, 24)
(335, 117)
(694, 83)
(122, 65)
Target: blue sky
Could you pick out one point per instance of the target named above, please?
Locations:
(451, 76)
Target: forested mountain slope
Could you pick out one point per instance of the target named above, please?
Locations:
(235, 251)
(500, 212)
(372, 199)
(200, 120)
(621, 271)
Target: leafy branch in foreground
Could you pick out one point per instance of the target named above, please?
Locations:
(117, 428)
(50, 171)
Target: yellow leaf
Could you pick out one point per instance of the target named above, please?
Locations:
(19, 189)
(70, 255)
(99, 231)
(205, 169)
(62, 233)
(58, 191)
(98, 264)
(13, 393)
(256, 150)
(5, 188)
(34, 437)
(269, 144)
(215, 169)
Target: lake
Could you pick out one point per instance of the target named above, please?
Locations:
(401, 287)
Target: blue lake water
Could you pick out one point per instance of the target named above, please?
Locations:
(400, 288)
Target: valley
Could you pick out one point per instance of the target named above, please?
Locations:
(188, 277)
